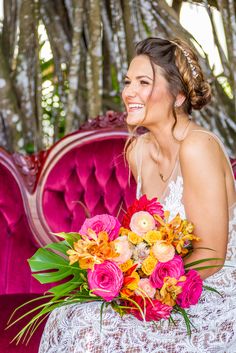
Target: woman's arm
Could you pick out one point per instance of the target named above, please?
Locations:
(205, 198)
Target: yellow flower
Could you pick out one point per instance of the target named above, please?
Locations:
(170, 290)
(152, 236)
(124, 231)
(134, 284)
(148, 265)
(126, 265)
(134, 238)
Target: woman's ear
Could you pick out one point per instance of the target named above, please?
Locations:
(179, 100)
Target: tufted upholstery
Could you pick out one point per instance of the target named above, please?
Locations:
(16, 239)
(96, 179)
(82, 174)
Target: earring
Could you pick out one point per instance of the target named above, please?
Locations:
(176, 105)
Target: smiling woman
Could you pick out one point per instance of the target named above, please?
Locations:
(186, 167)
(141, 91)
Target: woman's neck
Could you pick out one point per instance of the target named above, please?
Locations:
(167, 141)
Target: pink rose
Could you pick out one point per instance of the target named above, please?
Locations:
(106, 279)
(154, 310)
(100, 223)
(123, 248)
(191, 290)
(173, 268)
(141, 222)
(146, 287)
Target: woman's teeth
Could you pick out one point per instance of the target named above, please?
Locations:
(135, 106)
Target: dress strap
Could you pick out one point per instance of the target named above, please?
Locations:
(221, 145)
(138, 161)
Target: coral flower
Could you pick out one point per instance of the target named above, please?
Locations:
(141, 222)
(122, 247)
(143, 204)
(162, 251)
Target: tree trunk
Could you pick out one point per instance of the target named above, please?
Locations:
(73, 110)
(26, 77)
(94, 58)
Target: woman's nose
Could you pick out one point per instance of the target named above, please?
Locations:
(131, 90)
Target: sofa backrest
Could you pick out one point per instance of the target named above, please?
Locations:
(84, 173)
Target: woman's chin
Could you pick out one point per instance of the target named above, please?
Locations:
(134, 120)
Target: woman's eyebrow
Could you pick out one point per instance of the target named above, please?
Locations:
(141, 76)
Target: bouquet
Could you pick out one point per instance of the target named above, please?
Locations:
(136, 267)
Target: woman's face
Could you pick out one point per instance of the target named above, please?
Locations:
(146, 101)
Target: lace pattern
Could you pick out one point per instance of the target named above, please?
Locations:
(76, 328)
(173, 202)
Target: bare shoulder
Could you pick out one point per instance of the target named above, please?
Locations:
(200, 148)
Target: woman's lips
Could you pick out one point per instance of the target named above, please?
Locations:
(134, 107)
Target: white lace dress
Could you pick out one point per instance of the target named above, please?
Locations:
(76, 328)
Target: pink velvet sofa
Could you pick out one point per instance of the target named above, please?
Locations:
(51, 192)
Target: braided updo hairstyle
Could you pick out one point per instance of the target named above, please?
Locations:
(180, 68)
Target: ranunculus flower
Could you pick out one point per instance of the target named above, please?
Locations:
(145, 285)
(173, 268)
(153, 311)
(191, 290)
(162, 251)
(143, 204)
(141, 222)
(100, 223)
(106, 279)
(123, 248)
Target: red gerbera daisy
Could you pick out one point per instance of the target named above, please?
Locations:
(143, 204)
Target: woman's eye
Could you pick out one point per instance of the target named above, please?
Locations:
(126, 82)
(144, 82)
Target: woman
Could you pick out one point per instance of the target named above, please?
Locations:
(186, 167)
